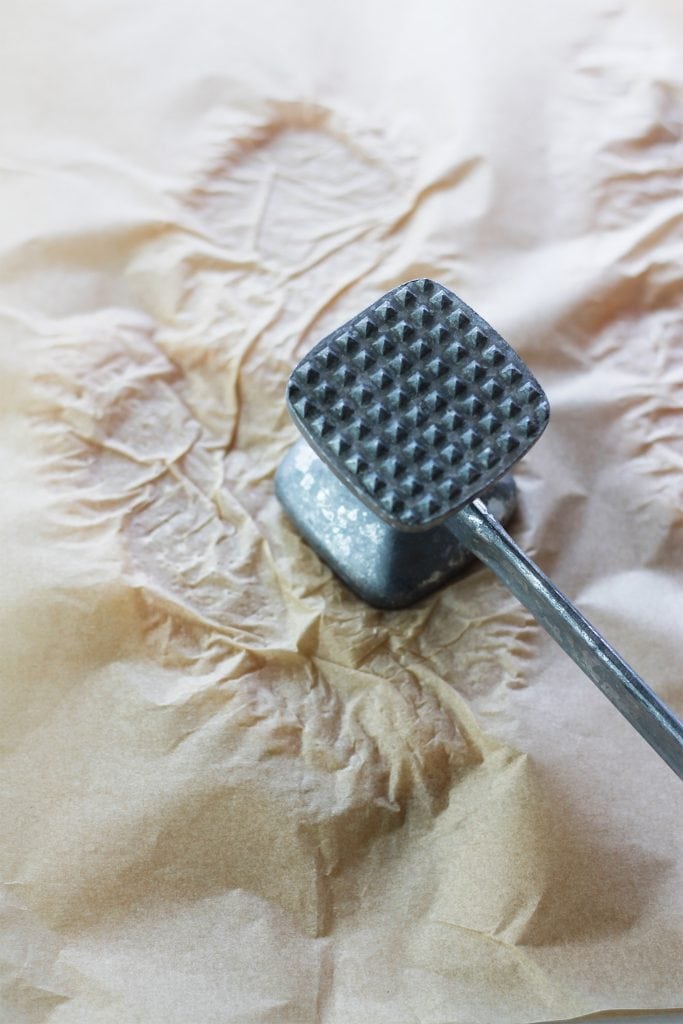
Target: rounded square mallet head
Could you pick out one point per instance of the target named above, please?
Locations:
(417, 404)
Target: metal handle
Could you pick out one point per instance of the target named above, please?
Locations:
(485, 537)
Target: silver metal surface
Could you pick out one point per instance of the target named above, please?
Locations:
(418, 407)
(417, 404)
(387, 567)
(478, 530)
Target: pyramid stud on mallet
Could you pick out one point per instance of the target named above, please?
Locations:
(413, 414)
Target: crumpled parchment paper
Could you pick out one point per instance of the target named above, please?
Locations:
(230, 791)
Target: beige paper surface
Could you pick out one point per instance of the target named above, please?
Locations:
(230, 791)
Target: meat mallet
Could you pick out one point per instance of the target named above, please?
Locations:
(416, 410)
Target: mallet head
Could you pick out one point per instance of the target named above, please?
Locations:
(417, 405)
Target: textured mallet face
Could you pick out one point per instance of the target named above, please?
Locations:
(417, 404)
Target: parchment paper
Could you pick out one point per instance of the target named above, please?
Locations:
(230, 791)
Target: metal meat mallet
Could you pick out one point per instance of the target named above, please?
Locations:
(419, 409)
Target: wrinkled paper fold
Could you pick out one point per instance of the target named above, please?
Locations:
(231, 792)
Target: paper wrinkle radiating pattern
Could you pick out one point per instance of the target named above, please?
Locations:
(231, 791)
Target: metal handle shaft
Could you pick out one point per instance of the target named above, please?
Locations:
(485, 537)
